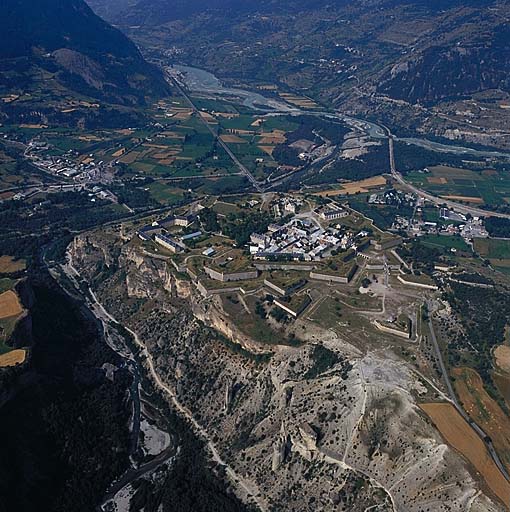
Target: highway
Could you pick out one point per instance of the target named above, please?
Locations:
(455, 402)
(461, 208)
(258, 187)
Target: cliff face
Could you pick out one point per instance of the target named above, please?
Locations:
(303, 437)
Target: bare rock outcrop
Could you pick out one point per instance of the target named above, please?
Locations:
(348, 438)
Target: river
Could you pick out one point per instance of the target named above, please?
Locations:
(199, 80)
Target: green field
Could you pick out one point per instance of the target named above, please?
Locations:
(382, 215)
(489, 186)
(223, 208)
(328, 313)
(446, 242)
(14, 173)
(6, 284)
(493, 249)
(165, 194)
(8, 175)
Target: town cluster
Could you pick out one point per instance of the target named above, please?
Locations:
(304, 239)
(452, 224)
(86, 169)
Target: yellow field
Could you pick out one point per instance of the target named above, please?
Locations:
(118, 153)
(502, 354)
(484, 410)
(155, 146)
(12, 358)
(268, 140)
(355, 187)
(448, 172)
(232, 139)
(267, 149)
(438, 180)
(467, 199)
(300, 101)
(9, 305)
(89, 138)
(165, 155)
(208, 118)
(130, 158)
(183, 116)
(463, 438)
(8, 264)
(173, 135)
(33, 126)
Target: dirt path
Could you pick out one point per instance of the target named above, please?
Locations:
(248, 489)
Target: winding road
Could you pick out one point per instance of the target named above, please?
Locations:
(246, 488)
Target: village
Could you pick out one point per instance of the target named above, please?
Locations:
(279, 274)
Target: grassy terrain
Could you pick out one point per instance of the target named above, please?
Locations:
(488, 186)
(446, 242)
(165, 194)
(251, 323)
(6, 284)
(493, 249)
(329, 313)
(382, 215)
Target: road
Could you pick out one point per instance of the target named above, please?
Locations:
(455, 402)
(134, 474)
(235, 478)
(105, 317)
(475, 212)
(258, 187)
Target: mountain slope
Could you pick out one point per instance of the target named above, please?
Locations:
(74, 48)
(419, 51)
(416, 65)
(462, 66)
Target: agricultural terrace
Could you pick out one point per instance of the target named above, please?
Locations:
(253, 140)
